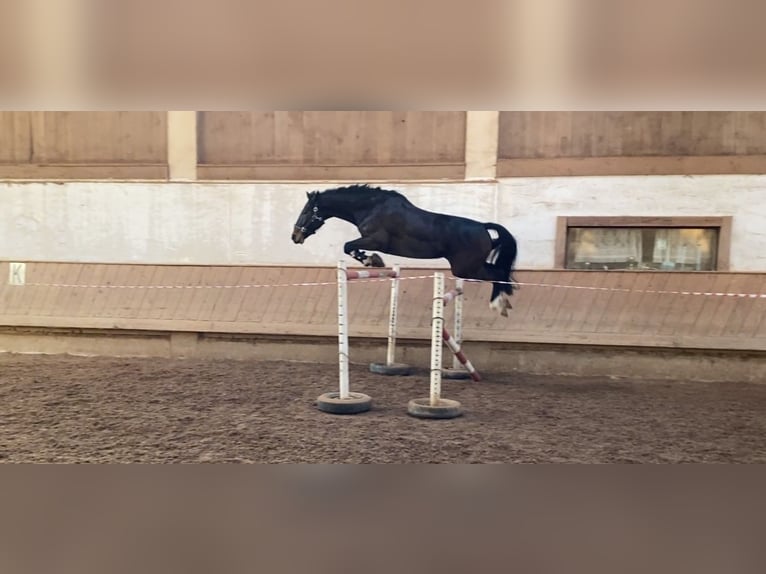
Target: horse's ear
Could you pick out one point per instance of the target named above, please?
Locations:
(308, 195)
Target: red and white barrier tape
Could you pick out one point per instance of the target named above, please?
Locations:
(651, 291)
(623, 290)
(417, 277)
(244, 286)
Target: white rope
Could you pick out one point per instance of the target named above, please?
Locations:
(243, 286)
(623, 290)
(417, 277)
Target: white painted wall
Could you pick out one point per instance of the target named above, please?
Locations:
(220, 223)
(532, 204)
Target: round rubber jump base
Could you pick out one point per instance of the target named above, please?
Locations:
(455, 374)
(355, 403)
(394, 369)
(444, 409)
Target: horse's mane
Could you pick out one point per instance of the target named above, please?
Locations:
(363, 188)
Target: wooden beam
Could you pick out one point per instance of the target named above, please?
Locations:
(733, 342)
(635, 165)
(67, 172)
(481, 137)
(560, 254)
(182, 146)
(643, 221)
(283, 172)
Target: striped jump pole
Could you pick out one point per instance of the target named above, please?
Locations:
(343, 402)
(460, 358)
(391, 367)
(372, 274)
(436, 407)
(461, 368)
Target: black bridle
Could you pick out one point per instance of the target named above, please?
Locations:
(314, 218)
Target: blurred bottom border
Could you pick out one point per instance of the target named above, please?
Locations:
(332, 518)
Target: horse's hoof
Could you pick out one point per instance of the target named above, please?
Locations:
(376, 260)
(506, 304)
(501, 304)
(495, 305)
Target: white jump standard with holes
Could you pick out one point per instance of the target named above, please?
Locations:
(391, 367)
(344, 402)
(436, 407)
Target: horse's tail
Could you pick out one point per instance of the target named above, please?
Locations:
(506, 249)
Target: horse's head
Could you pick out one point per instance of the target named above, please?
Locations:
(310, 219)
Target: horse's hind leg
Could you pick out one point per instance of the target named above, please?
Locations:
(500, 298)
(355, 249)
(501, 294)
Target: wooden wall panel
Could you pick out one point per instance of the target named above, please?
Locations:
(604, 308)
(83, 144)
(15, 138)
(604, 134)
(100, 137)
(607, 143)
(297, 145)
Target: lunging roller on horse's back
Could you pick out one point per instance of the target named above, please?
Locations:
(389, 223)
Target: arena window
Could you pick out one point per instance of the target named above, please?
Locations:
(643, 243)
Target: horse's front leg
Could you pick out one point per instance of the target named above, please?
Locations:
(356, 250)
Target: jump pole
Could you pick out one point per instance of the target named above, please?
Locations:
(343, 402)
(462, 368)
(458, 369)
(436, 407)
(391, 367)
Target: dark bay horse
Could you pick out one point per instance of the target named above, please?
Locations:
(389, 223)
